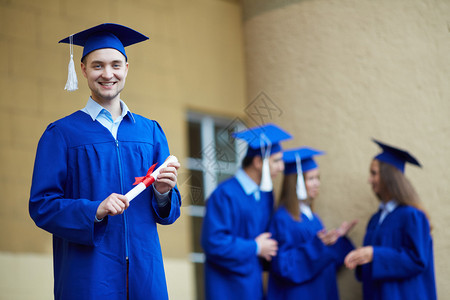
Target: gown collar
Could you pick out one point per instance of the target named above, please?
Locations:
(248, 185)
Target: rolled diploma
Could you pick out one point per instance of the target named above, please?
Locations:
(134, 192)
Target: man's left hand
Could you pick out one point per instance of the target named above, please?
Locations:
(167, 178)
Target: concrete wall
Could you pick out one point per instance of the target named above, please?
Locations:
(193, 61)
(337, 73)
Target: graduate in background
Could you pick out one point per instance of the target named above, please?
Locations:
(308, 255)
(103, 247)
(396, 261)
(234, 234)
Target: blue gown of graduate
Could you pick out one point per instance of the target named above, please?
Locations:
(232, 222)
(402, 266)
(304, 267)
(78, 165)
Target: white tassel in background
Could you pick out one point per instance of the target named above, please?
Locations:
(266, 181)
(72, 82)
(266, 184)
(301, 188)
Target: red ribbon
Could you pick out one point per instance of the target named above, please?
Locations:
(147, 179)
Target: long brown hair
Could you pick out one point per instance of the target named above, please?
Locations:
(288, 197)
(399, 187)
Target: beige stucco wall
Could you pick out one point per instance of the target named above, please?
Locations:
(340, 72)
(193, 61)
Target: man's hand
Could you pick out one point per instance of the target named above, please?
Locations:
(115, 204)
(167, 178)
(267, 246)
(358, 257)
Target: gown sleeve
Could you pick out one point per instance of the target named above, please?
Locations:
(341, 248)
(409, 258)
(171, 211)
(71, 219)
(298, 259)
(222, 246)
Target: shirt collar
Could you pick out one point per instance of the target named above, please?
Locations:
(389, 206)
(249, 186)
(94, 109)
(306, 210)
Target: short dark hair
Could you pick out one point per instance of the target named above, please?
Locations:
(247, 161)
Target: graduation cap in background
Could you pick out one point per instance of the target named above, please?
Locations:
(297, 161)
(263, 141)
(395, 157)
(107, 35)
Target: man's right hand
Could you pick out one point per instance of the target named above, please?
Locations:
(114, 205)
(267, 246)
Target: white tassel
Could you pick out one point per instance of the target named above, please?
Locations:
(266, 181)
(266, 184)
(72, 82)
(301, 188)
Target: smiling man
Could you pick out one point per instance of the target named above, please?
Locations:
(103, 247)
(105, 71)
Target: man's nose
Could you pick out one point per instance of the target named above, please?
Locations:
(107, 73)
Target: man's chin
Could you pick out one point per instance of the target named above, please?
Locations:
(106, 97)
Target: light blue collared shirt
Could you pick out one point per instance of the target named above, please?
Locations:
(102, 115)
(387, 209)
(250, 187)
(306, 210)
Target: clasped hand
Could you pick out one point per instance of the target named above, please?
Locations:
(267, 246)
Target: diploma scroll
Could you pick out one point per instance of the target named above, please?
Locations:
(144, 182)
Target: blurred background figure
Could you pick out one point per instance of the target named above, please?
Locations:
(396, 261)
(308, 255)
(234, 233)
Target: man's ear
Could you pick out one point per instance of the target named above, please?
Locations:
(83, 69)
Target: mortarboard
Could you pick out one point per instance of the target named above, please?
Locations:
(263, 138)
(263, 141)
(306, 156)
(300, 160)
(395, 157)
(107, 35)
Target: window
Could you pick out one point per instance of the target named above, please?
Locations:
(213, 157)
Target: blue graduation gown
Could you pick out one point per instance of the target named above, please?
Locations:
(304, 268)
(232, 222)
(402, 266)
(79, 164)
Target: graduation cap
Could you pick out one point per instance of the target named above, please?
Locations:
(300, 160)
(107, 35)
(395, 157)
(263, 141)
(306, 155)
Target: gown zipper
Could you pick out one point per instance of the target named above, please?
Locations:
(124, 214)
